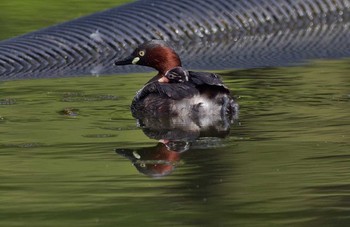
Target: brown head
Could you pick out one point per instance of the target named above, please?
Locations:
(156, 54)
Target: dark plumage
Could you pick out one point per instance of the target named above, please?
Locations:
(174, 91)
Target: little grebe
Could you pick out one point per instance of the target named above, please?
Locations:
(175, 91)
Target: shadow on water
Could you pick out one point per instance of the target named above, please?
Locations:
(95, 47)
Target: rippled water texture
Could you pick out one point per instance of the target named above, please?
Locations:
(72, 155)
(285, 161)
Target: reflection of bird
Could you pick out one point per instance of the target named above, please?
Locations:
(156, 161)
(175, 91)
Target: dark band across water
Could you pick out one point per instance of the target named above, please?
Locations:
(221, 34)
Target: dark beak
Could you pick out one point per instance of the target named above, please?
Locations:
(126, 61)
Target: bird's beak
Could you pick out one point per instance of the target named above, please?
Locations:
(128, 61)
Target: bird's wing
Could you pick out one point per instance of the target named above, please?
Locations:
(205, 78)
(200, 78)
(174, 91)
(149, 88)
(177, 91)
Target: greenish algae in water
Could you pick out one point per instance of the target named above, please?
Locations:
(285, 163)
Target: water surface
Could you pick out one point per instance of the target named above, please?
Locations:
(21, 16)
(285, 161)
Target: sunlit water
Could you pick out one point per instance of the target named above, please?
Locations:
(286, 160)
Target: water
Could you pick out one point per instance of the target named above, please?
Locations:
(19, 17)
(284, 162)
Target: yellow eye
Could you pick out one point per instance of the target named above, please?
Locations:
(142, 53)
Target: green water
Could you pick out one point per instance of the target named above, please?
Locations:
(20, 16)
(285, 162)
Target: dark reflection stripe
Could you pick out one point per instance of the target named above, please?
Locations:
(222, 34)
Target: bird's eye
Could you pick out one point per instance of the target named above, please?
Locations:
(142, 53)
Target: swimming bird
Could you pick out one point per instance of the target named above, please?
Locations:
(175, 91)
